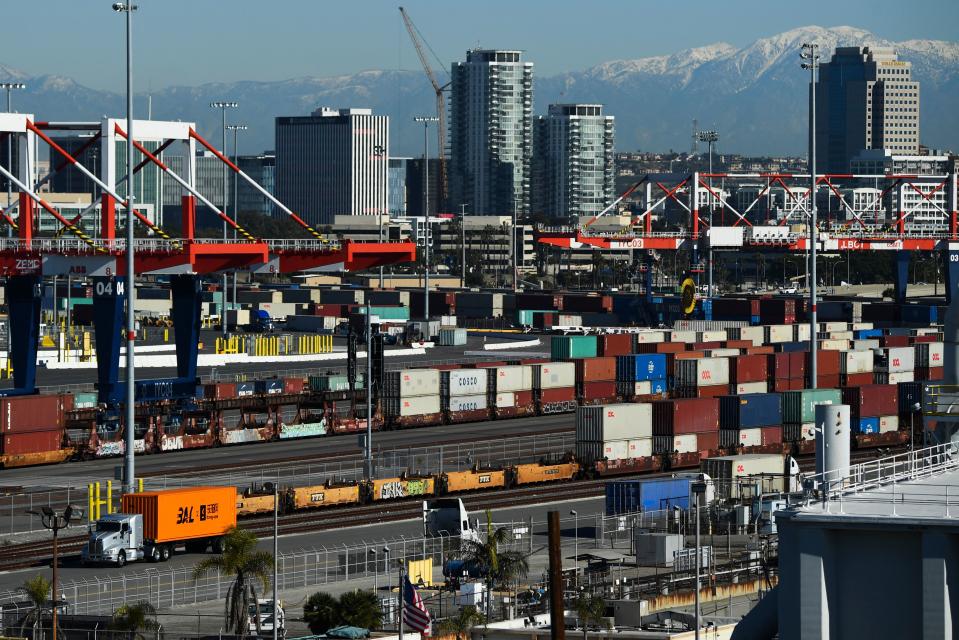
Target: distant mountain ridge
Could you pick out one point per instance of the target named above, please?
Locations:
(755, 96)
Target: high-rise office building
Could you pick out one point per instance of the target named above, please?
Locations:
(415, 176)
(333, 162)
(491, 121)
(865, 99)
(572, 161)
(396, 178)
(262, 169)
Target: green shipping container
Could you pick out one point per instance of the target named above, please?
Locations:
(525, 316)
(800, 406)
(84, 400)
(387, 313)
(565, 347)
(334, 382)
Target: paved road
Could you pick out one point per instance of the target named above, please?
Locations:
(71, 569)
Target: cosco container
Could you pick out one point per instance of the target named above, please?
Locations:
(645, 366)
(411, 405)
(554, 375)
(652, 494)
(751, 410)
(511, 378)
(614, 422)
(685, 415)
(456, 404)
(411, 382)
(701, 372)
(800, 406)
(463, 382)
(566, 347)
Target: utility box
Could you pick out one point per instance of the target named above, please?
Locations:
(656, 549)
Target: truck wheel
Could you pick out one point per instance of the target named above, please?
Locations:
(217, 546)
(121, 558)
(155, 554)
(165, 553)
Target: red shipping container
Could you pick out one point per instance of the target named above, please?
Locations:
(663, 347)
(32, 442)
(871, 400)
(765, 349)
(737, 344)
(777, 366)
(535, 361)
(827, 361)
(595, 369)
(703, 346)
(544, 320)
(620, 344)
(752, 368)
(685, 415)
(827, 381)
(219, 390)
(565, 394)
(894, 341)
(929, 373)
(707, 440)
(797, 364)
(25, 414)
(772, 435)
(592, 391)
(293, 385)
(587, 303)
(690, 355)
(712, 391)
(855, 379)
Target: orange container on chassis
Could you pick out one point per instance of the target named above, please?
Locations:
(182, 515)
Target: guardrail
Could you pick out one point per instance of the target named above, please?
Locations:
(940, 400)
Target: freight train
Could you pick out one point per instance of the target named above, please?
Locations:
(672, 369)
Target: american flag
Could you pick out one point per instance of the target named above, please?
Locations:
(415, 615)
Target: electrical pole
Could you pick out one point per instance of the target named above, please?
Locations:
(426, 120)
(129, 483)
(810, 53)
(463, 245)
(236, 128)
(709, 137)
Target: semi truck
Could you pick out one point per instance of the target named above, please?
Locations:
(153, 525)
(752, 474)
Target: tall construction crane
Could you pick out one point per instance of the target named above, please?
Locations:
(440, 101)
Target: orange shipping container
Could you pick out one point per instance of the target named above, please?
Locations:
(595, 369)
(183, 514)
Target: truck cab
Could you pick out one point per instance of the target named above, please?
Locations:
(264, 611)
(261, 322)
(115, 539)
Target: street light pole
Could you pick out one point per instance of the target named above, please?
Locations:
(54, 522)
(236, 128)
(810, 53)
(129, 483)
(223, 106)
(379, 151)
(10, 86)
(426, 120)
(709, 137)
(463, 245)
(698, 488)
(575, 544)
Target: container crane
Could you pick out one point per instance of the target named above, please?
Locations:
(440, 102)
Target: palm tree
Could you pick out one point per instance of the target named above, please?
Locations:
(591, 610)
(499, 567)
(136, 618)
(361, 609)
(321, 612)
(460, 624)
(247, 565)
(37, 590)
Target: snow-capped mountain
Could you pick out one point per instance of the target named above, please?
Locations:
(755, 96)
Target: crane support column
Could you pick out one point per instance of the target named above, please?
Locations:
(902, 274)
(186, 324)
(23, 300)
(950, 258)
(109, 295)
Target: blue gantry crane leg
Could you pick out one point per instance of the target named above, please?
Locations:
(109, 298)
(23, 302)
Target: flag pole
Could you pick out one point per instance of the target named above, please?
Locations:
(402, 598)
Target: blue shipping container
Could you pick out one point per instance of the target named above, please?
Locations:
(244, 388)
(269, 386)
(750, 410)
(646, 495)
(868, 425)
(658, 386)
(788, 347)
(866, 334)
(644, 366)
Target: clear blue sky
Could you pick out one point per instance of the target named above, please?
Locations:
(188, 42)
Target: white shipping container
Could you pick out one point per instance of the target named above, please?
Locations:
(447, 321)
(861, 326)
(701, 372)
(865, 345)
(851, 362)
(751, 437)
(411, 382)
(801, 332)
(463, 382)
(750, 387)
(888, 424)
(834, 345)
(896, 359)
(569, 320)
(882, 377)
(642, 387)
(504, 400)
(624, 421)
(725, 236)
(840, 335)
(467, 403)
(832, 327)
(717, 335)
(683, 336)
(925, 331)
(640, 447)
(554, 375)
(929, 354)
(756, 334)
(513, 378)
(776, 333)
(723, 353)
(644, 337)
(611, 450)
(686, 443)
(411, 406)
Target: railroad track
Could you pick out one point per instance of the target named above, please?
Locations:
(19, 556)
